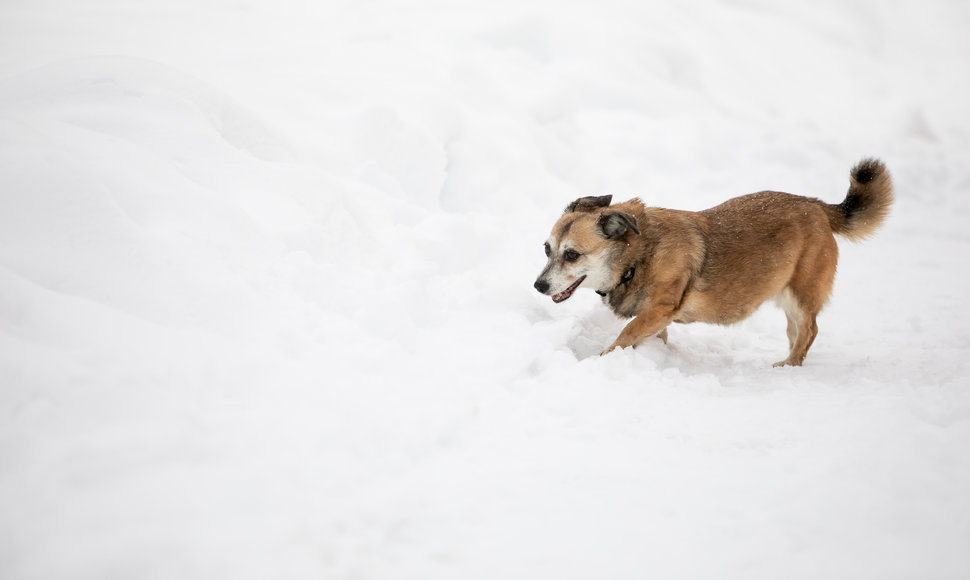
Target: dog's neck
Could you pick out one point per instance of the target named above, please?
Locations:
(627, 276)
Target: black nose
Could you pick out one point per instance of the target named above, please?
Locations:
(542, 286)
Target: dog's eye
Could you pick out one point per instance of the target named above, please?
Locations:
(571, 255)
(548, 249)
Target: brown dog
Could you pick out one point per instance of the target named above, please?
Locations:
(718, 265)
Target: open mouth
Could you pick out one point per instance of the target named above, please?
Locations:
(568, 291)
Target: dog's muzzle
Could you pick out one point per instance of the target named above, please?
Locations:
(543, 286)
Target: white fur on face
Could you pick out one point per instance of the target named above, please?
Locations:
(560, 274)
(599, 275)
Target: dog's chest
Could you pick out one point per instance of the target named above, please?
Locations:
(626, 301)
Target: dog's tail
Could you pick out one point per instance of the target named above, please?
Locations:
(866, 205)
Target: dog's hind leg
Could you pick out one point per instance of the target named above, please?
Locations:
(802, 330)
(804, 297)
(792, 331)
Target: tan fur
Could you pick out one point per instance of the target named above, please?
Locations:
(718, 265)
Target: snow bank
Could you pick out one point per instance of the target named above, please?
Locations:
(266, 305)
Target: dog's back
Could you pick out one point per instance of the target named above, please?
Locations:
(756, 245)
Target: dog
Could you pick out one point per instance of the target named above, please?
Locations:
(719, 265)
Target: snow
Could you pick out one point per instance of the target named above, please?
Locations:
(266, 305)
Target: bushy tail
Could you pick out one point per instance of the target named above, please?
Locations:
(866, 205)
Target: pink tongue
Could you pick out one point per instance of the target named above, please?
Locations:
(568, 291)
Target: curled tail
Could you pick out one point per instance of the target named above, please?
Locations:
(866, 205)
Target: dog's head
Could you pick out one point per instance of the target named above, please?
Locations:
(583, 247)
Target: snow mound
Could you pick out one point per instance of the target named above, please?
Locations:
(266, 304)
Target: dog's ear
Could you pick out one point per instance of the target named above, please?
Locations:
(589, 203)
(612, 225)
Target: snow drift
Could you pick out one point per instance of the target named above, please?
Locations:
(266, 304)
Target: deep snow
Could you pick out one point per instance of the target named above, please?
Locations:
(266, 305)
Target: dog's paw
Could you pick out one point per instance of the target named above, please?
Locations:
(609, 350)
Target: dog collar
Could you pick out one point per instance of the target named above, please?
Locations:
(626, 278)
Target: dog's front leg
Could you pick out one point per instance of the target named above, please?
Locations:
(654, 319)
(644, 326)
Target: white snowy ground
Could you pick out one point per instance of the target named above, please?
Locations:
(266, 304)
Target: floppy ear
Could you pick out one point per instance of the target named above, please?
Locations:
(589, 203)
(613, 225)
